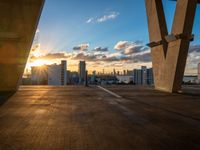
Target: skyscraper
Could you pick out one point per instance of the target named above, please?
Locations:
(143, 76)
(137, 76)
(63, 72)
(81, 71)
(114, 72)
(57, 74)
(199, 71)
(150, 79)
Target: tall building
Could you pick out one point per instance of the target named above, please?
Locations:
(64, 72)
(143, 76)
(57, 74)
(150, 79)
(114, 72)
(199, 71)
(137, 74)
(81, 71)
(130, 72)
(124, 72)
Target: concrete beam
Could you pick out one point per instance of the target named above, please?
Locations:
(18, 23)
(170, 54)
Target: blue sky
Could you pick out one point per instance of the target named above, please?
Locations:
(65, 22)
(69, 24)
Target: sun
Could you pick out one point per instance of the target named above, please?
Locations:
(40, 62)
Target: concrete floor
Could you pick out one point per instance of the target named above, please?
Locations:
(79, 118)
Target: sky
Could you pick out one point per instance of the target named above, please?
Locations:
(107, 34)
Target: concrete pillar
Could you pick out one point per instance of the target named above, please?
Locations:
(169, 51)
(18, 23)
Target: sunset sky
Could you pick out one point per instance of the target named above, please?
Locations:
(107, 34)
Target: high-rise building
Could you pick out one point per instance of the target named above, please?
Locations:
(130, 72)
(114, 72)
(64, 72)
(199, 71)
(143, 76)
(137, 76)
(81, 71)
(150, 79)
(124, 72)
(57, 74)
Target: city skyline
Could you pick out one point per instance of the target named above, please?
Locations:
(102, 33)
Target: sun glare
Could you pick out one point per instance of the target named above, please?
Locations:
(40, 62)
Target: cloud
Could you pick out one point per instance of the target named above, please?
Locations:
(194, 54)
(129, 48)
(100, 49)
(51, 56)
(110, 16)
(122, 57)
(145, 57)
(94, 56)
(81, 47)
(83, 56)
(104, 18)
(134, 49)
(90, 20)
(121, 45)
(194, 48)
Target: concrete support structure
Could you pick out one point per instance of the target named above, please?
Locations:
(18, 23)
(169, 51)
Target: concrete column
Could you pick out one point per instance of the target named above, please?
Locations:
(18, 23)
(169, 51)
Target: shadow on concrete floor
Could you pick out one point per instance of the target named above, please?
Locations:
(191, 91)
(4, 96)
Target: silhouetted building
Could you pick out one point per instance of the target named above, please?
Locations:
(124, 72)
(130, 72)
(199, 71)
(114, 71)
(63, 72)
(81, 71)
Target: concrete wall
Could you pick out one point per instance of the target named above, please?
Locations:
(18, 23)
(169, 51)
